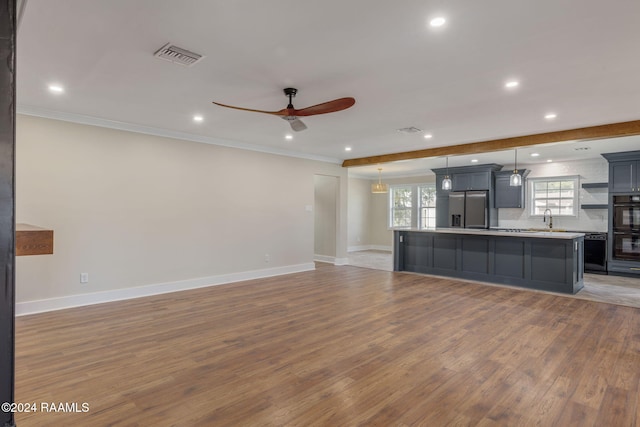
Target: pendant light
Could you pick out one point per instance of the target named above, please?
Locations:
(515, 180)
(446, 182)
(379, 188)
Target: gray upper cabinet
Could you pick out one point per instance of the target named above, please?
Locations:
(465, 178)
(624, 177)
(471, 181)
(623, 172)
(507, 196)
(442, 203)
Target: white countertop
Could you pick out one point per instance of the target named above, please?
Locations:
(492, 232)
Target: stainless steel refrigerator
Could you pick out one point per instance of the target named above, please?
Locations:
(469, 209)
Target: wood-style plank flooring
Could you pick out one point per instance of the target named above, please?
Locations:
(339, 346)
(597, 287)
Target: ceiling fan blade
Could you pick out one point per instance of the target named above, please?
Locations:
(282, 112)
(326, 107)
(296, 124)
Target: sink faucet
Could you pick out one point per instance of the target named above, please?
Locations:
(544, 218)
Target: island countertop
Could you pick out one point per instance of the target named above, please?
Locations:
(497, 232)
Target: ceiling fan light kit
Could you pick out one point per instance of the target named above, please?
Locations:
(290, 114)
(295, 123)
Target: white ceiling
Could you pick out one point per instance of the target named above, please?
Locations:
(576, 58)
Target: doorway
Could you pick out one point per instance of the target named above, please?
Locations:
(325, 218)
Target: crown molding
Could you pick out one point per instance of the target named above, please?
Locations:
(148, 130)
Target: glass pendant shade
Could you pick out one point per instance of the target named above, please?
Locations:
(446, 183)
(515, 180)
(379, 187)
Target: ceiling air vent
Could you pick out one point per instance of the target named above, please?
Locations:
(409, 130)
(582, 148)
(178, 55)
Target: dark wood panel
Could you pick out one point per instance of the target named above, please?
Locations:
(593, 132)
(7, 203)
(31, 240)
(338, 346)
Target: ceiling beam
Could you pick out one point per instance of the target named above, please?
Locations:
(611, 130)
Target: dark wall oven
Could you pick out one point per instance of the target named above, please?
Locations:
(626, 228)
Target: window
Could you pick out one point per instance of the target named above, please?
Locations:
(427, 206)
(559, 195)
(401, 206)
(412, 206)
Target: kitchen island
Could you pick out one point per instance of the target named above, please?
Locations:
(550, 261)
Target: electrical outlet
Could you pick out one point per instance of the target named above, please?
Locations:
(266, 257)
(84, 277)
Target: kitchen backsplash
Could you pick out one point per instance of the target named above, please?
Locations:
(594, 170)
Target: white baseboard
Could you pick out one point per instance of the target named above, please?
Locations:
(331, 260)
(324, 258)
(369, 248)
(51, 304)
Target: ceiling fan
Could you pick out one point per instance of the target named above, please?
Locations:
(291, 115)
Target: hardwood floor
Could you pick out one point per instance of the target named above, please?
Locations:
(597, 287)
(339, 346)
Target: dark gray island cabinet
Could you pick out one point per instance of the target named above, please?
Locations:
(549, 261)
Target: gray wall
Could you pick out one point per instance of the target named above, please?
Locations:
(136, 210)
(359, 213)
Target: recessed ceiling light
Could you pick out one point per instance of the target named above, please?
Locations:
(198, 118)
(56, 88)
(549, 160)
(535, 154)
(437, 22)
(550, 116)
(428, 136)
(511, 84)
(288, 136)
(474, 160)
(347, 148)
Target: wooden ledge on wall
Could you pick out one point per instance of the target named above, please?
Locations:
(32, 240)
